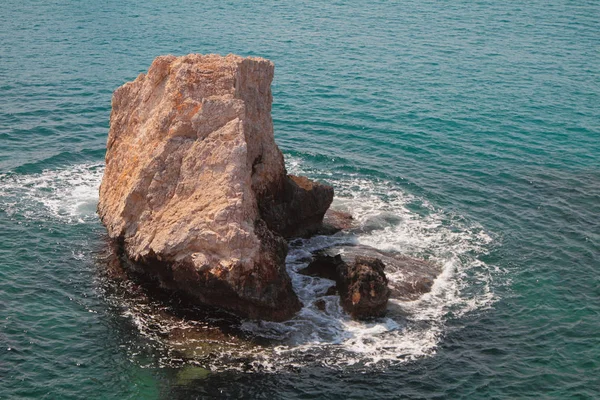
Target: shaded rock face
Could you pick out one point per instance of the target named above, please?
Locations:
(323, 266)
(363, 288)
(195, 189)
(298, 209)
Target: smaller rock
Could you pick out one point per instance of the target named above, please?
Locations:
(363, 287)
(323, 266)
(413, 289)
(409, 277)
(335, 221)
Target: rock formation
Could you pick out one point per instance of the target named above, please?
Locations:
(362, 284)
(195, 189)
(363, 287)
(409, 278)
(336, 221)
(298, 209)
(323, 266)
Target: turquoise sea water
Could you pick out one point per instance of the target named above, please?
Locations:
(464, 132)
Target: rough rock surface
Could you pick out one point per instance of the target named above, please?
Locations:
(195, 189)
(363, 287)
(408, 278)
(298, 209)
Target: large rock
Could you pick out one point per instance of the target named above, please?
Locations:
(195, 188)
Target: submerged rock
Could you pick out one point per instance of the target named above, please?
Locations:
(336, 221)
(191, 373)
(195, 189)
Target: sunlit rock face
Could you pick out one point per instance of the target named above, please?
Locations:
(195, 188)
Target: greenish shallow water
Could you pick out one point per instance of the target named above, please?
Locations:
(465, 132)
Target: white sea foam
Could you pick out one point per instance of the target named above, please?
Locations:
(412, 329)
(68, 194)
(389, 219)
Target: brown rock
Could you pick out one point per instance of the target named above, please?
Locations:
(363, 288)
(320, 304)
(362, 284)
(298, 209)
(331, 291)
(410, 278)
(195, 188)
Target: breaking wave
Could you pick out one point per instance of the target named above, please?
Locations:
(69, 194)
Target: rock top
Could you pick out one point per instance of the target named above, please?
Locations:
(195, 189)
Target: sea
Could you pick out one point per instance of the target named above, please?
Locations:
(465, 133)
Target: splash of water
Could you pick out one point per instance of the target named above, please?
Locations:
(69, 195)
